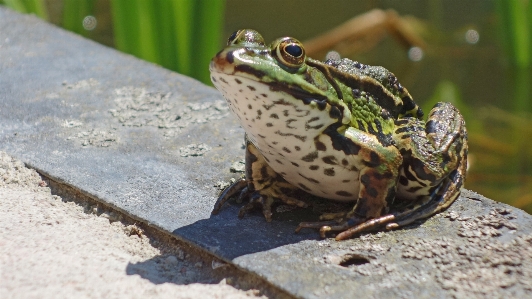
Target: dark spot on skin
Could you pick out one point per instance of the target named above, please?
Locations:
(419, 168)
(264, 95)
(295, 164)
(251, 88)
(264, 172)
(390, 197)
(310, 157)
(274, 115)
(286, 150)
(268, 107)
(346, 181)
(414, 189)
(365, 179)
(331, 160)
(344, 162)
(320, 145)
(285, 113)
(344, 193)
(335, 112)
(372, 192)
(401, 122)
(403, 180)
(403, 130)
(329, 171)
(314, 167)
(297, 148)
(309, 179)
(249, 106)
(213, 79)
(385, 114)
(229, 57)
(283, 173)
(304, 187)
(283, 102)
(269, 125)
(244, 68)
(374, 160)
(238, 81)
(289, 121)
(275, 142)
(430, 127)
(302, 138)
(340, 142)
(279, 162)
(223, 80)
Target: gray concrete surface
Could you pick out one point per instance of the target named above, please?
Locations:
(54, 248)
(153, 145)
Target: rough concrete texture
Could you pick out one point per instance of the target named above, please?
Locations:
(157, 147)
(50, 248)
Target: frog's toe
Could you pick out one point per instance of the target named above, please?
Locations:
(367, 225)
(348, 227)
(322, 225)
(243, 194)
(239, 186)
(293, 201)
(257, 200)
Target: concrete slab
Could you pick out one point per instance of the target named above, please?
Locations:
(154, 144)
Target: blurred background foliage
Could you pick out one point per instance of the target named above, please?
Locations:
(476, 54)
(181, 35)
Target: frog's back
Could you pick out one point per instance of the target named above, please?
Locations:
(377, 81)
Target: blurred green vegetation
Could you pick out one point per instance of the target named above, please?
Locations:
(181, 35)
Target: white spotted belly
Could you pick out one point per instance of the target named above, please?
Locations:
(286, 132)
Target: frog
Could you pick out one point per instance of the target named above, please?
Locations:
(340, 130)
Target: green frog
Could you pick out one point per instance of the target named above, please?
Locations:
(340, 130)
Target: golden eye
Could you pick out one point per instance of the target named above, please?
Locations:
(289, 52)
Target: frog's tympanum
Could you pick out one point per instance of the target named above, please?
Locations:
(340, 130)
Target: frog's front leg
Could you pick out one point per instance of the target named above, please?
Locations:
(377, 181)
(262, 185)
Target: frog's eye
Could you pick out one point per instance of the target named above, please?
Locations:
(289, 52)
(246, 37)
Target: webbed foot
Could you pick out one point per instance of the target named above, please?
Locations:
(263, 199)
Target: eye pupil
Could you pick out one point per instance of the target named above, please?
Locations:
(294, 50)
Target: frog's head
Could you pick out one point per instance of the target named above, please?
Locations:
(272, 78)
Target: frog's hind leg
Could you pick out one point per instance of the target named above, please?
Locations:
(434, 167)
(434, 163)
